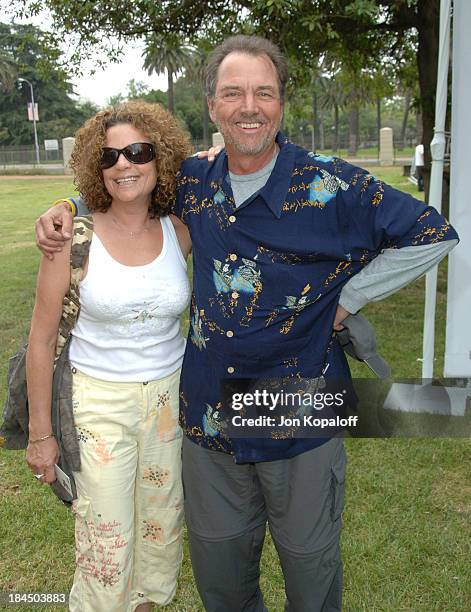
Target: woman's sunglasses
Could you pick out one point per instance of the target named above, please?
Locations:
(136, 153)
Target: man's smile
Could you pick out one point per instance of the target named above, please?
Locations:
(249, 126)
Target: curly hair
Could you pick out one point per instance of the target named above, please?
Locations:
(171, 144)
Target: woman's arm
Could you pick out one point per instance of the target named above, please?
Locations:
(183, 235)
(52, 285)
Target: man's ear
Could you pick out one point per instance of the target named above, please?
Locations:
(210, 102)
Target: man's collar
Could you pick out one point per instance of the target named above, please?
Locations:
(220, 166)
(275, 190)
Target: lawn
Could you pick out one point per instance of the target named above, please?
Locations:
(406, 524)
(371, 153)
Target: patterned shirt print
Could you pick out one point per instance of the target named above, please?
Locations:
(267, 276)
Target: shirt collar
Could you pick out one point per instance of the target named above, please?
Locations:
(275, 190)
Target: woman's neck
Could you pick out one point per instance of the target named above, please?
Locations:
(130, 213)
(132, 219)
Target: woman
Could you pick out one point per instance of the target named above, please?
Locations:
(126, 351)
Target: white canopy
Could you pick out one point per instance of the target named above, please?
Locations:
(458, 329)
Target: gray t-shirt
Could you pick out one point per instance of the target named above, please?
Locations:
(246, 185)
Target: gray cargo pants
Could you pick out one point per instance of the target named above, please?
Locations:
(227, 506)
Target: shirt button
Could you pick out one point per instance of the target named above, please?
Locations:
(232, 219)
(233, 257)
(230, 370)
(234, 295)
(229, 333)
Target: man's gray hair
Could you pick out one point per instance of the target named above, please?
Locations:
(251, 45)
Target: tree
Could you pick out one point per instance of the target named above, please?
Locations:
(351, 87)
(7, 70)
(36, 59)
(332, 96)
(188, 102)
(165, 53)
(115, 100)
(407, 83)
(195, 71)
(137, 89)
(372, 30)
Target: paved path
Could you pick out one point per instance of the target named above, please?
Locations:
(59, 167)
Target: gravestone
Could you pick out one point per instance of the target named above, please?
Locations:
(386, 147)
(218, 139)
(67, 147)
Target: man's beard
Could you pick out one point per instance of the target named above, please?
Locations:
(241, 146)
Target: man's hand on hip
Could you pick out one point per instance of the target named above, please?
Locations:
(53, 228)
(340, 315)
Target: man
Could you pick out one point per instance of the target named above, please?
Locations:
(419, 166)
(285, 244)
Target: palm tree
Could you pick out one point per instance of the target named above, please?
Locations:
(7, 70)
(408, 99)
(164, 52)
(350, 88)
(196, 70)
(332, 96)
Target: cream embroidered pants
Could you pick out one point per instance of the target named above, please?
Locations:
(129, 509)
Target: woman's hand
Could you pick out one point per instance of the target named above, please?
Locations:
(41, 457)
(53, 228)
(210, 154)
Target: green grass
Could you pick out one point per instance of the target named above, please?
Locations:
(406, 525)
(369, 152)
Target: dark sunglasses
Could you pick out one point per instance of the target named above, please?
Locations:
(136, 153)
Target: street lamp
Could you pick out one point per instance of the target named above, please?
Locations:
(34, 118)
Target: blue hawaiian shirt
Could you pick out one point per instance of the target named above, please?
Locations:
(267, 277)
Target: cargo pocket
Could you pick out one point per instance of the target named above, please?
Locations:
(338, 487)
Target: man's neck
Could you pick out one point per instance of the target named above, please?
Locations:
(247, 164)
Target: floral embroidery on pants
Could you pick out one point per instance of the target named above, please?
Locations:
(156, 475)
(98, 443)
(97, 546)
(153, 531)
(166, 420)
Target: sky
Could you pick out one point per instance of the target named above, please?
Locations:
(112, 80)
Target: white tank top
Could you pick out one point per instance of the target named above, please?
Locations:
(129, 324)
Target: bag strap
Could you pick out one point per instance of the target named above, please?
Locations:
(81, 240)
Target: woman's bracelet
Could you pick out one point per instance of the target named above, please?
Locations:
(71, 202)
(51, 435)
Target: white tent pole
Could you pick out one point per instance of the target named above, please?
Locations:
(458, 333)
(437, 148)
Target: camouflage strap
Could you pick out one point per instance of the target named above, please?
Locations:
(82, 237)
